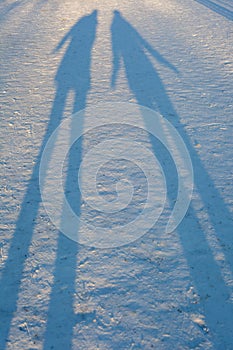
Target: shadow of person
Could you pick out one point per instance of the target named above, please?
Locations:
(135, 54)
(143, 80)
(73, 74)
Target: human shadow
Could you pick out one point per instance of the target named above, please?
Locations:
(73, 75)
(214, 6)
(130, 49)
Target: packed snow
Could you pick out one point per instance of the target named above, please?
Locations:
(164, 290)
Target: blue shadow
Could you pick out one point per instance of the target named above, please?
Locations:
(219, 9)
(5, 12)
(73, 75)
(134, 52)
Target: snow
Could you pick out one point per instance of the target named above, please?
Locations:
(163, 290)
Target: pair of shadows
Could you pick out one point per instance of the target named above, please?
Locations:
(73, 74)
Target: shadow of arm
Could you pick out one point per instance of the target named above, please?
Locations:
(157, 55)
(62, 42)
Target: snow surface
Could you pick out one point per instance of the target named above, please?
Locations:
(164, 291)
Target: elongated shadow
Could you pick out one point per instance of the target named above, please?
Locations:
(130, 49)
(73, 75)
(214, 6)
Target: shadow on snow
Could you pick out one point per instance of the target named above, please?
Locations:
(73, 75)
(130, 49)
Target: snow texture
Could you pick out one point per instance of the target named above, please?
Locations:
(164, 291)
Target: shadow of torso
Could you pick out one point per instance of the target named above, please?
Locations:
(74, 70)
